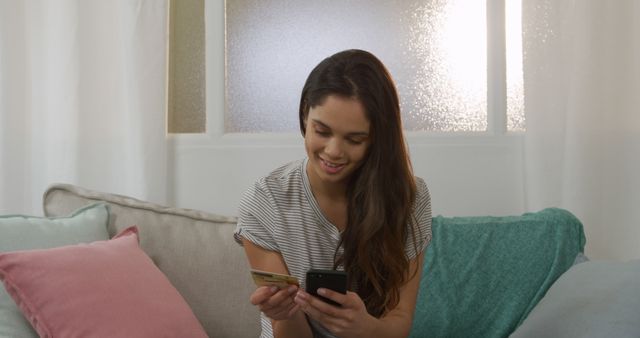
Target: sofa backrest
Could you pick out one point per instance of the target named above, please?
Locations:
(481, 276)
(194, 249)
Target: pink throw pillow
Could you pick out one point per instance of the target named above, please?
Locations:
(102, 289)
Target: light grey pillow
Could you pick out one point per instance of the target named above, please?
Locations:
(592, 299)
(580, 258)
(18, 232)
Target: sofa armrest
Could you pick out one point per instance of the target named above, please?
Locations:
(592, 299)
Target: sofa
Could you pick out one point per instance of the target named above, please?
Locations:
(519, 276)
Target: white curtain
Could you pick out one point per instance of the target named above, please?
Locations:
(82, 98)
(582, 104)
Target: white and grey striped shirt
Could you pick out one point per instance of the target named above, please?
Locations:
(280, 213)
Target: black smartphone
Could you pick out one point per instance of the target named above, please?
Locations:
(328, 279)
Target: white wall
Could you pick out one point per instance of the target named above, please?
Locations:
(467, 174)
(465, 177)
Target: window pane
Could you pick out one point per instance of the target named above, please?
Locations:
(446, 86)
(515, 89)
(186, 104)
(436, 51)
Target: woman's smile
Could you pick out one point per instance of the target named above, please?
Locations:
(330, 167)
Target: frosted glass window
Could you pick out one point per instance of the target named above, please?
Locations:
(515, 91)
(436, 51)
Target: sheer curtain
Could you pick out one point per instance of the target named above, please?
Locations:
(82, 98)
(582, 105)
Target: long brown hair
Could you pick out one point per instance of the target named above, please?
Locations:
(382, 191)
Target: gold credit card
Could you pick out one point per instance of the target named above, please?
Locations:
(265, 278)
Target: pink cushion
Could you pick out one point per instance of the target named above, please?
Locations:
(102, 289)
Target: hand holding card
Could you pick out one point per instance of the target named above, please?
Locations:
(265, 278)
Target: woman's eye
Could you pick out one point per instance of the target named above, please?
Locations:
(354, 142)
(322, 133)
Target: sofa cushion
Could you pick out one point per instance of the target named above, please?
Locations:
(483, 275)
(18, 232)
(194, 249)
(101, 289)
(592, 299)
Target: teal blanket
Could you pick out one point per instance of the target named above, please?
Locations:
(483, 275)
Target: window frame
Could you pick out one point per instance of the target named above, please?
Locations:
(215, 135)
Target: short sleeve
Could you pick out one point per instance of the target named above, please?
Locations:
(420, 237)
(256, 218)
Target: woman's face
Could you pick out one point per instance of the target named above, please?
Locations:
(336, 139)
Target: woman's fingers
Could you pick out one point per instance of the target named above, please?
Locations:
(282, 312)
(262, 294)
(349, 319)
(274, 302)
(335, 296)
(315, 307)
(280, 299)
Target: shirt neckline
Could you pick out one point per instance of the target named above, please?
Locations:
(324, 222)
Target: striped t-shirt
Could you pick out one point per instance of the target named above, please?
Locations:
(280, 213)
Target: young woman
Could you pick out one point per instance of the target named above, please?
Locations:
(352, 204)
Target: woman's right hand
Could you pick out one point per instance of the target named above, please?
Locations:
(276, 303)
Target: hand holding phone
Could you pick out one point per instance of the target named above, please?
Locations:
(328, 279)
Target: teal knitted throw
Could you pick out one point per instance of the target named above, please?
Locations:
(483, 275)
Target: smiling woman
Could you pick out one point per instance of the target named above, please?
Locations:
(335, 210)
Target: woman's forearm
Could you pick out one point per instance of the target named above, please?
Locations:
(295, 327)
(392, 325)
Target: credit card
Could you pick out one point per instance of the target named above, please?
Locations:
(265, 278)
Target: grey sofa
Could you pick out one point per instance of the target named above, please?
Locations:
(483, 276)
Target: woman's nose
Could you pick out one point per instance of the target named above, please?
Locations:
(333, 148)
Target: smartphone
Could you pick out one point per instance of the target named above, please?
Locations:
(328, 279)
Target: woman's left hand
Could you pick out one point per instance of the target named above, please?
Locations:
(349, 320)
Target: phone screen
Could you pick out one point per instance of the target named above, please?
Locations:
(328, 279)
